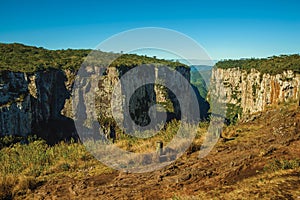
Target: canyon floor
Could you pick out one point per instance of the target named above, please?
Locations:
(257, 159)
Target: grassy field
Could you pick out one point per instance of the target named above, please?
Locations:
(26, 166)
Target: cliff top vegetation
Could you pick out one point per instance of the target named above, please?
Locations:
(272, 65)
(22, 58)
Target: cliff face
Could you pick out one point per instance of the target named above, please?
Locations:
(15, 104)
(138, 104)
(33, 102)
(41, 102)
(247, 93)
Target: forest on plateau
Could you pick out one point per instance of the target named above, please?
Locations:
(22, 58)
(271, 65)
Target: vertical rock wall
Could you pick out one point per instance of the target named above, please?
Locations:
(41, 102)
(33, 102)
(253, 92)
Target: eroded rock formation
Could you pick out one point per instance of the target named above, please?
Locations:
(33, 103)
(41, 102)
(248, 93)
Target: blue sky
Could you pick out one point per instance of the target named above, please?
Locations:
(226, 29)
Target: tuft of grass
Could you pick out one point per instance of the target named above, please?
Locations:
(276, 165)
(11, 186)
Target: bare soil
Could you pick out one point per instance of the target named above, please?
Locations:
(234, 169)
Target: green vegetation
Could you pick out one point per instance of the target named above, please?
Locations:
(234, 112)
(235, 94)
(37, 158)
(254, 88)
(21, 58)
(272, 65)
(198, 81)
(276, 165)
(132, 60)
(9, 140)
(25, 166)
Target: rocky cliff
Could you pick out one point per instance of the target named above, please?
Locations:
(41, 103)
(137, 104)
(250, 92)
(33, 103)
(36, 86)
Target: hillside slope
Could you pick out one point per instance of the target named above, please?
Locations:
(259, 159)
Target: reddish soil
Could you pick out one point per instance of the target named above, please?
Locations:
(272, 135)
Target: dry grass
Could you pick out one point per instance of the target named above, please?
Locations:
(25, 166)
(165, 135)
(259, 162)
(263, 186)
(11, 186)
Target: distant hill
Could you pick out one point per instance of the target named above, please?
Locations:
(201, 68)
(201, 74)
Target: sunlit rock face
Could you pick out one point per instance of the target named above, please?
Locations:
(41, 102)
(253, 92)
(139, 103)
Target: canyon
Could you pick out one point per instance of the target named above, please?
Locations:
(41, 102)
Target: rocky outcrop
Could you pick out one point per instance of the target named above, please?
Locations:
(248, 93)
(33, 102)
(14, 104)
(130, 109)
(41, 103)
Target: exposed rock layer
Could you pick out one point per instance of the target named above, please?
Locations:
(41, 102)
(33, 102)
(253, 92)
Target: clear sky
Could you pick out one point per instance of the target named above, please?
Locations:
(226, 29)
